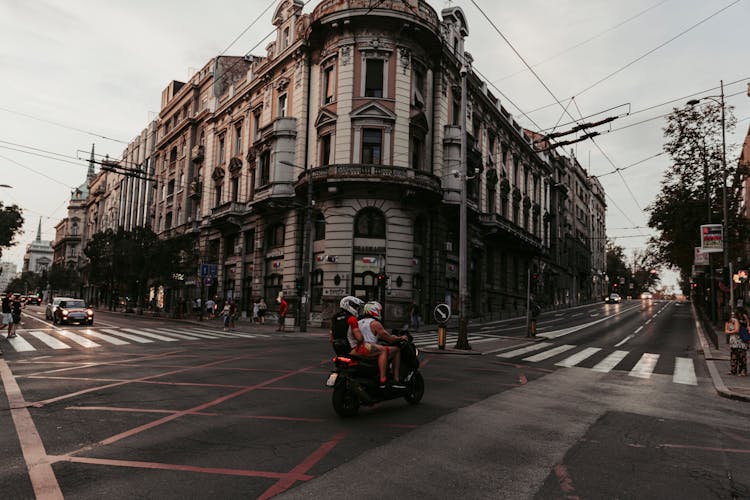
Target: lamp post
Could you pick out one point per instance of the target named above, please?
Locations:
(463, 338)
(306, 249)
(5, 186)
(725, 208)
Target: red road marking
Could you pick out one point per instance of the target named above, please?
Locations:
(566, 483)
(303, 467)
(293, 419)
(42, 476)
(133, 410)
(180, 467)
(522, 379)
(169, 418)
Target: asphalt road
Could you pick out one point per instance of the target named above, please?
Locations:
(209, 413)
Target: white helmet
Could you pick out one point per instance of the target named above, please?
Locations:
(351, 304)
(373, 309)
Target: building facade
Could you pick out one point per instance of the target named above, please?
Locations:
(354, 115)
(39, 253)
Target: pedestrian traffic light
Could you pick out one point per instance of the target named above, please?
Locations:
(299, 283)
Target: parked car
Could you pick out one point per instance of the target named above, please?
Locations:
(613, 298)
(73, 311)
(33, 300)
(647, 296)
(49, 312)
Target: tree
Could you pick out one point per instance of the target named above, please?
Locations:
(11, 222)
(691, 188)
(617, 267)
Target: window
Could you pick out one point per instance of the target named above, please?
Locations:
(372, 139)
(221, 149)
(235, 188)
(417, 152)
(491, 198)
(325, 149)
(168, 221)
(316, 289)
(328, 85)
(250, 241)
(170, 189)
(319, 226)
(229, 244)
(264, 167)
(275, 236)
(281, 111)
(369, 223)
(213, 250)
(217, 194)
(456, 110)
(256, 124)
(285, 38)
(418, 94)
(74, 229)
(374, 77)
(238, 139)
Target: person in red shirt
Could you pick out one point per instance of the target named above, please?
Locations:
(283, 309)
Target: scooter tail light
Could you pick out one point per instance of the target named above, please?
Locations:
(344, 360)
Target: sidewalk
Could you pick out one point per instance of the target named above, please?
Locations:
(729, 386)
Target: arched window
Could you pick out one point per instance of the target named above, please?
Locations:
(370, 223)
(319, 226)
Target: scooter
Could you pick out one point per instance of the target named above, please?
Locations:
(355, 380)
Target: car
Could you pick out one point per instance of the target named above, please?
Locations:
(73, 311)
(647, 296)
(613, 298)
(33, 300)
(49, 312)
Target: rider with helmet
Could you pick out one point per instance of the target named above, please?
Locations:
(372, 330)
(347, 338)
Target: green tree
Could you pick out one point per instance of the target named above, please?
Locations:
(11, 222)
(617, 266)
(28, 282)
(65, 280)
(691, 188)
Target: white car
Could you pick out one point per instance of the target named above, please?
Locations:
(647, 296)
(614, 298)
(49, 312)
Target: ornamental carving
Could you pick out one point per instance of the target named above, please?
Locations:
(505, 187)
(282, 83)
(346, 55)
(405, 58)
(251, 154)
(516, 195)
(218, 174)
(235, 165)
(491, 177)
(526, 202)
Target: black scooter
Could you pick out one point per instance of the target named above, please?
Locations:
(355, 380)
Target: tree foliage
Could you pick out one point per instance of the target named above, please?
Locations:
(641, 272)
(691, 188)
(11, 222)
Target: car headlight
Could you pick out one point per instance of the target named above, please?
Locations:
(89, 312)
(64, 312)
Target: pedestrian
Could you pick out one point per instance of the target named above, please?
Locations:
(736, 329)
(210, 305)
(534, 311)
(283, 309)
(226, 314)
(15, 311)
(415, 315)
(233, 309)
(256, 306)
(7, 317)
(262, 308)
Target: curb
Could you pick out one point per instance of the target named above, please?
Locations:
(719, 385)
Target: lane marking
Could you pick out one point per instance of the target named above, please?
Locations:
(645, 366)
(106, 338)
(78, 339)
(149, 335)
(524, 350)
(572, 329)
(20, 344)
(608, 363)
(50, 340)
(684, 372)
(625, 340)
(578, 357)
(41, 475)
(548, 354)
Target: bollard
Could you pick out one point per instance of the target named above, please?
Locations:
(441, 337)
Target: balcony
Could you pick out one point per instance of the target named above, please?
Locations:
(350, 8)
(198, 153)
(352, 172)
(228, 214)
(508, 232)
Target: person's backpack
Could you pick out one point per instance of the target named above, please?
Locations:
(340, 329)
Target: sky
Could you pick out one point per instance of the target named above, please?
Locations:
(83, 72)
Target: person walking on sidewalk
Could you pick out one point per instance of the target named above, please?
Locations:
(7, 317)
(283, 309)
(738, 343)
(262, 308)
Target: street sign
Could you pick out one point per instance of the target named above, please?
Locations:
(213, 270)
(442, 313)
(203, 270)
(701, 257)
(712, 238)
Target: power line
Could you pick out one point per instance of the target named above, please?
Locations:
(643, 56)
(36, 171)
(62, 125)
(248, 27)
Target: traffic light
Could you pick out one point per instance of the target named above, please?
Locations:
(382, 278)
(299, 283)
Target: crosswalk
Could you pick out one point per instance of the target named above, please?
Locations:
(88, 338)
(644, 368)
(430, 340)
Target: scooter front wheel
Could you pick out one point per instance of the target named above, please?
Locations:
(345, 402)
(415, 387)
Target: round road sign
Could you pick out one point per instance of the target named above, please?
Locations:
(442, 313)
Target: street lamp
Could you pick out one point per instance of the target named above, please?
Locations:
(463, 338)
(306, 249)
(725, 236)
(5, 186)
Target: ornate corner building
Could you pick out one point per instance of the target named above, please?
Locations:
(353, 115)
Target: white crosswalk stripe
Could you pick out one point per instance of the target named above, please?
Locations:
(645, 366)
(173, 334)
(83, 341)
(20, 344)
(50, 341)
(548, 354)
(149, 335)
(608, 363)
(429, 340)
(195, 334)
(128, 336)
(684, 372)
(578, 357)
(105, 338)
(524, 350)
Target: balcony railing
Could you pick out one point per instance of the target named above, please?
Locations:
(383, 172)
(228, 208)
(499, 222)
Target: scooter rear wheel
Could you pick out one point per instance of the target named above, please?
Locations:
(416, 389)
(345, 402)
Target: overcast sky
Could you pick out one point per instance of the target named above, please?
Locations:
(97, 69)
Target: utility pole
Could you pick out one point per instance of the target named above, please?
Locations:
(307, 254)
(463, 337)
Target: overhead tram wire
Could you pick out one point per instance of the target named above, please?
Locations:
(584, 42)
(643, 56)
(273, 2)
(36, 172)
(62, 125)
